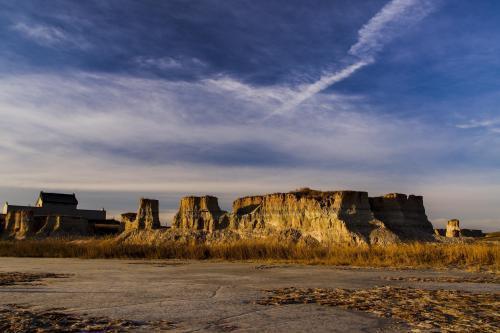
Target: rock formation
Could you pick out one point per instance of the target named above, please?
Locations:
(147, 217)
(19, 225)
(453, 228)
(404, 215)
(338, 217)
(200, 213)
(347, 217)
(64, 226)
(22, 224)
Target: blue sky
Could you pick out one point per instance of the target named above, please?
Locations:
(118, 99)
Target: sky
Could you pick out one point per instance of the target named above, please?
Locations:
(115, 100)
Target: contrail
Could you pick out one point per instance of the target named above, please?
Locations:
(391, 20)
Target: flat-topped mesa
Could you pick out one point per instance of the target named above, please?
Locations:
(337, 216)
(200, 213)
(402, 214)
(147, 217)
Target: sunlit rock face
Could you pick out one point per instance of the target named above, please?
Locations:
(200, 213)
(146, 218)
(337, 216)
(343, 217)
(402, 214)
(453, 228)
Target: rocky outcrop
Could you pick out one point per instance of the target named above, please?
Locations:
(19, 225)
(402, 214)
(147, 217)
(338, 217)
(64, 226)
(347, 217)
(200, 213)
(148, 214)
(128, 221)
(23, 224)
(453, 228)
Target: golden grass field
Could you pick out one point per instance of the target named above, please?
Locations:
(472, 256)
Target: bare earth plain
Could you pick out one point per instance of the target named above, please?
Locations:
(46, 294)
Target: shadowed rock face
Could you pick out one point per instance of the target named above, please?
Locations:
(200, 213)
(62, 226)
(19, 225)
(404, 215)
(22, 224)
(147, 217)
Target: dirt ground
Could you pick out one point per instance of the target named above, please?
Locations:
(47, 295)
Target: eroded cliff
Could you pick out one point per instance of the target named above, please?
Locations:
(335, 217)
(200, 213)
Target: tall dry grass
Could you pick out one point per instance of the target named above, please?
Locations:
(417, 255)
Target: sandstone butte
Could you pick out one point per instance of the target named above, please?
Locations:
(336, 216)
(347, 217)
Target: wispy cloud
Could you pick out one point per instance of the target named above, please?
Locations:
(169, 63)
(391, 20)
(49, 35)
(492, 125)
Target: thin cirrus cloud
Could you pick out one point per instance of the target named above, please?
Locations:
(491, 125)
(394, 17)
(50, 36)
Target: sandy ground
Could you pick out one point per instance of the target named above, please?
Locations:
(214, 296)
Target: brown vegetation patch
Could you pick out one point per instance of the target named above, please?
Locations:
(475, 256)
(14, 318)
(489, 278)
(442, 310)
(11, 278)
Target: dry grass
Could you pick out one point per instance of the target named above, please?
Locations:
(475, 256)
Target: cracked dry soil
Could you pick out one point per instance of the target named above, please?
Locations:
(424, 310)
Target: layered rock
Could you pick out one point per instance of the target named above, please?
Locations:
(402, 214)
(339, 217)
(23, 224)
(200, 213)
(347, 217)
(147, 217)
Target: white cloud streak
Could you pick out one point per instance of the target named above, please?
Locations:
(491, 125)
(391, 20)
(49, 36)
